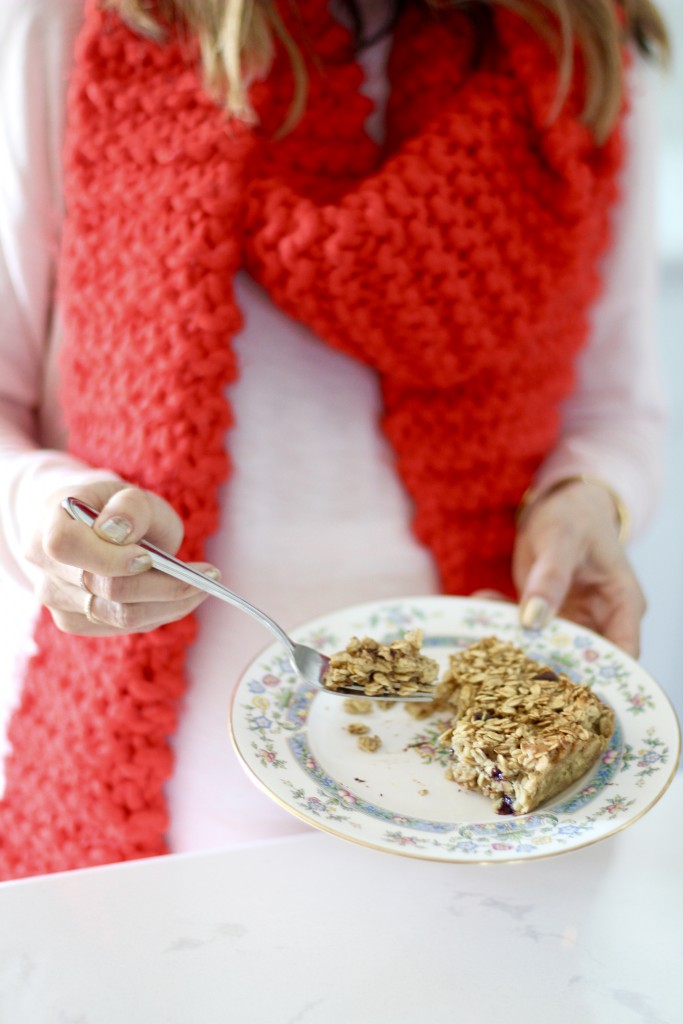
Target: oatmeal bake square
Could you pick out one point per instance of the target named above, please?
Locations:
(521, 732)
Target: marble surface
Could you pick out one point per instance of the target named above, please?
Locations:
(315, 930)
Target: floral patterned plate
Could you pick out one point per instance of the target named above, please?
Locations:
(294, 742)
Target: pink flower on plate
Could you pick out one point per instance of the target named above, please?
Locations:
(405, 840)
(638, 700)
(270, 680)
(346, 797)
(616, 805)
(590, 654)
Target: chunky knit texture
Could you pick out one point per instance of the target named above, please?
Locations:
(459, 260)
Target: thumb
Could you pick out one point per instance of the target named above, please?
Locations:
(547, 584)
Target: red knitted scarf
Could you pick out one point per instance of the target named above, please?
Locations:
(459, 260)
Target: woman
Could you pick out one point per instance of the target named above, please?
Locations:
(375, 283)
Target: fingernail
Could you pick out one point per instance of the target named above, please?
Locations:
(535, 613)
(214, 574)
(140, 563)
(116, 529)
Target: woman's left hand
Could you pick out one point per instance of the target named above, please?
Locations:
(568, 561)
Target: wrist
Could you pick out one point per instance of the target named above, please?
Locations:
(532, 496)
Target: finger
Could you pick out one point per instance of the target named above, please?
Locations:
(109, 548)
(624, 632)
(81, 614)
(622, 627)
(78, 625)
(71, 609)
(151, 588)
(136, 618)
(548, 581)
(148, 587)
(71, 546)
(131, 514)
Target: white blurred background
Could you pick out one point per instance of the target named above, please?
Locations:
(659, 555)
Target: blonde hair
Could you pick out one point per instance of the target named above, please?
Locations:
(237, 39)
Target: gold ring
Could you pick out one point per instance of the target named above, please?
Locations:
(88, 609)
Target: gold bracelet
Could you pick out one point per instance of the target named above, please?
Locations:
(532, 494)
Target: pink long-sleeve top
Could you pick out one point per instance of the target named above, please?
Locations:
(341, 545)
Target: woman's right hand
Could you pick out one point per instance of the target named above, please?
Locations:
(98, 581)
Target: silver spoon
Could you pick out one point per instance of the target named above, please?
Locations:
(308, 663)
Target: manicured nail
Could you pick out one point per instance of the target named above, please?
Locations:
(535, 613)
(140, 563)
(214, 574)
(116, 529)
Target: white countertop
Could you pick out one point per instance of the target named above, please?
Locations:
(316, 930)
